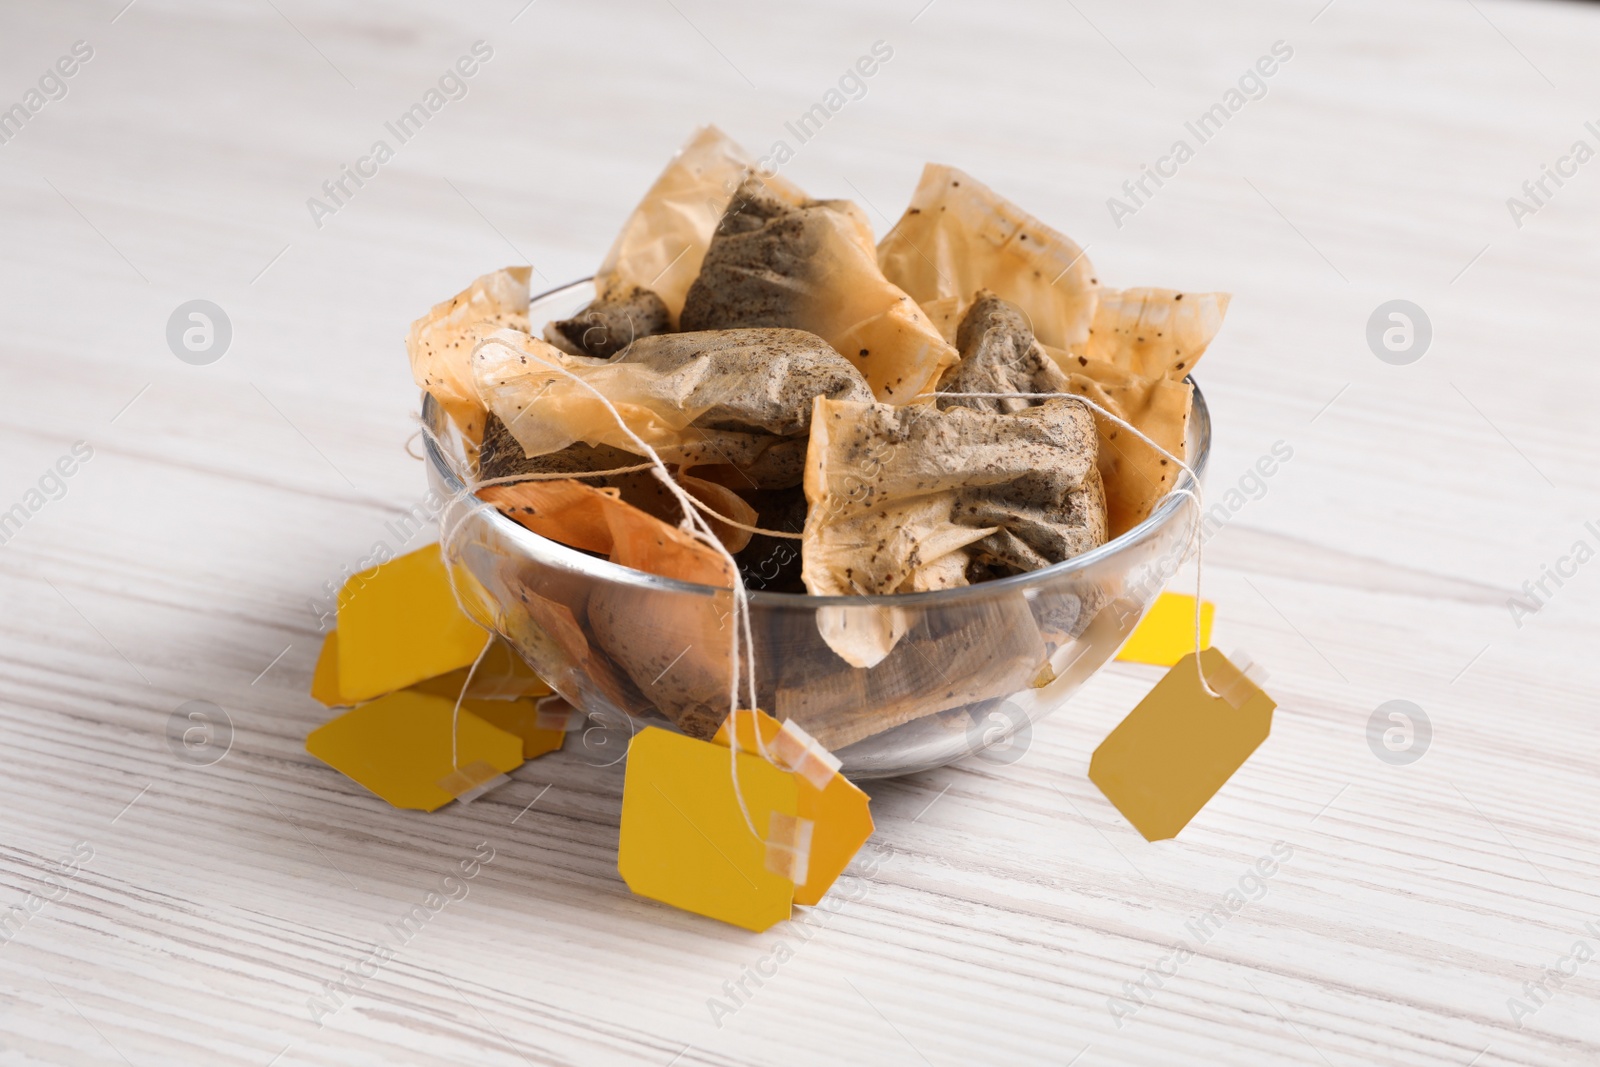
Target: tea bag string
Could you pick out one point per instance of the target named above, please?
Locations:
(692, 523)
(1194, 494)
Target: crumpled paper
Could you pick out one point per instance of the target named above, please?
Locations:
(812, 266)
(739, 398)
(1126, 350)
(661, 246)
(998, 355)
(958, 236)
(611, 323)
(440, 343)
(1142, 344)
(905, 499)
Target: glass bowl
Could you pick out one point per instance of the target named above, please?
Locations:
(975, 668)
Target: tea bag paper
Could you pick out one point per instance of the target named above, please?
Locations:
(664, 241)
(674, 647)
(739, 398)
(598, 520)
(957, 237)
(893, 491)
(1143, 343)
(813, 267)
(440, 343)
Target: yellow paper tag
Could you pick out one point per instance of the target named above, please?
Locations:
(520, 717)
(1166, 633)
(838, 810)
(1178, 747)
(398, 746)
(501, 676)
(684, 841)
(399, 624)
(325, 678)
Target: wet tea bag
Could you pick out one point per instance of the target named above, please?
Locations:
(599, 520)
(440, 343)
(894, 491)
(611, 323)
(957, 656)
(736, 398)
(664, 240)
(672, 648)
(501, 456)
(1180, 745)
(1142, 344)
(812, 267)
(957, 237)
(998, 355)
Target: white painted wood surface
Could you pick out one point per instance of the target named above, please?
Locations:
(1009, 903)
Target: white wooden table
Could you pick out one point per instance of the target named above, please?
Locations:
(1000, 909)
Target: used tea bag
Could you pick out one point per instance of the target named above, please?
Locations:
(998, 355)
(662, 244)
(812, 266)
(673, 647)
(501, 456)
(676, 647)
(614, 321)
(440, 343)
(960, 655)
(736, 398)
(1142, 344)
(957, 237)
(894, 491)
(592, 519)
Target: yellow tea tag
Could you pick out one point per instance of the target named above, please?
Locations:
(1166, 633)
(325, 678)
(399, 746)
(399, 624)
(502, 675)
(520, 717)
(836, 808)
(1179, 746)
(685, 842)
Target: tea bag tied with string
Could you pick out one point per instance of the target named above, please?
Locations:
(440, 343)
(663, 242)
(812, 267)
(1128, 350)
(907, 499)
(735, 402)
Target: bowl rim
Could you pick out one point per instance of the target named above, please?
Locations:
(555, 553)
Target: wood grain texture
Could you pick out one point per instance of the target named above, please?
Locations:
(1000, 907)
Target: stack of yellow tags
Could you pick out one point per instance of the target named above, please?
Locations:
(741, 853)
(401, 655)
